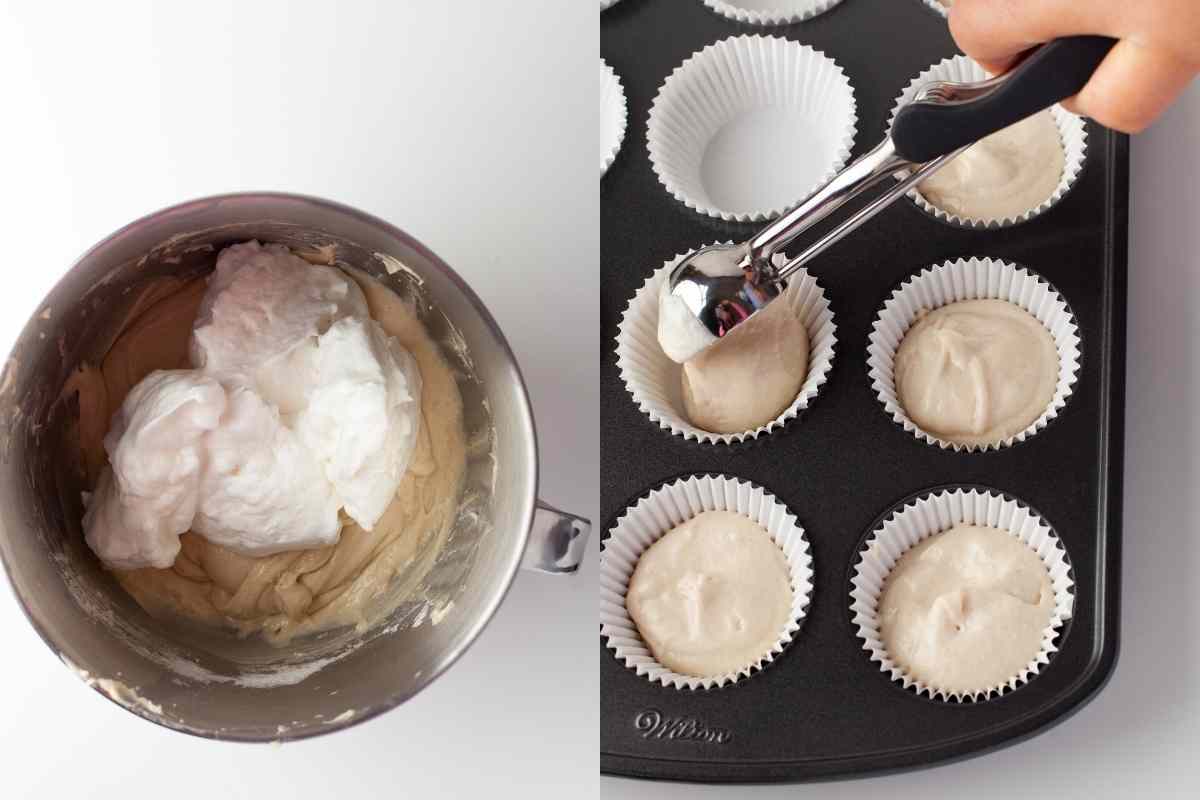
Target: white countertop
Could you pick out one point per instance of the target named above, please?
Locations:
(469, 125)
(1139, 737)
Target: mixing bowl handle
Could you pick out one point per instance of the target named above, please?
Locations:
(556, 541)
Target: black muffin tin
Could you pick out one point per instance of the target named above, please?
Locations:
(823, 709)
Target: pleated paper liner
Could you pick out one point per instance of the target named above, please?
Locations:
(770, 12)
(971, 279)
(613, 116)
(1071, 130)
(654, 380)
(747, 127)
(650, 519)
(916, 520)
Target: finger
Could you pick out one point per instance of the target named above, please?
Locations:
(1132, 87)
(997, 66)
(1072, 104)
(994, 31)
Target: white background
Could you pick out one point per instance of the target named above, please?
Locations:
(1140, 737)
(471, 125)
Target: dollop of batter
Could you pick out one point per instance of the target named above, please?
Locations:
(680, 334)
(976, 372)
(712, 595)
(1004, 175)
(749, 376)
(299, 591)
(966, 609)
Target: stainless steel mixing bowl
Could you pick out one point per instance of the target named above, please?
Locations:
(215, 684)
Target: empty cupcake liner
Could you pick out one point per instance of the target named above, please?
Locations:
(770, 12)
(939, 6)
(654, 380)
(971, 279)
(651, 518)
(613, 116)
(932, 513)
(1071, 130)
(747, 127)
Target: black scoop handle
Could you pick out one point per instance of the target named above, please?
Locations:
(1051, 73)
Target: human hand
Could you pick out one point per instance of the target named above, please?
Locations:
(1156, 56)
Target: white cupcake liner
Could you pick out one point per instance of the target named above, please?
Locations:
(937, 6)
(932, 513)
(654, 380)
(668, 507)
(971, 279)
(747, 127)
(613, 116)
(1071, 130)
(770, 12)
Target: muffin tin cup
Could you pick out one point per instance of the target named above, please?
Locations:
(613, 116)
(971, 279)
(1071, 130)
(777, 12)
(650, 519)
(653, 379)
(747, 127)
(934, 513)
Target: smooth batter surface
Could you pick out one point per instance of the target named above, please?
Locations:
(1010, 172)
(712, 595)
(966, 610)
(749, 376)
(976, 372)
(291, 593)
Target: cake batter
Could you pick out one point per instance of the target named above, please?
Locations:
(1003, 175)
(299, 591)
(976, 372)
(712, 596)
(966, 610)
(749, 376)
